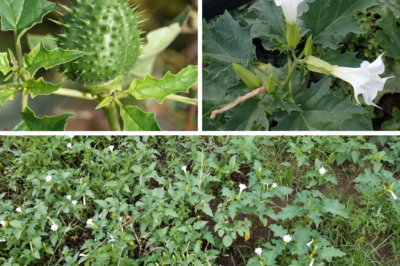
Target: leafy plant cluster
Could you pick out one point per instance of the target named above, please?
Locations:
(100, 46)
(80, 200)
(343, 33)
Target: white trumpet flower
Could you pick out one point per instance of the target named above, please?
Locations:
(274, 185)
(322, 171)
(18, 209)
(74, 202)
(258, 251)
(48, 179)
(111, 148)
(90, 222)
(289, 8)
(287, 238)
(242, 187)
(393, 195)
(3, 223)
(69, 197)
(54, 227)
(365, 79)
(184, 168)
(309, 243)
(69, 145)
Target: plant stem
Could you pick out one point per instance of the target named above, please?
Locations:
(112, 116)
(172, 97)
(76, 94)
(25, 98)
(9, 85)
(238, 100)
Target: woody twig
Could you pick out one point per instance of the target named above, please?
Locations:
(238, 100)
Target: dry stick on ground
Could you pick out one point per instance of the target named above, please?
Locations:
(238, 100)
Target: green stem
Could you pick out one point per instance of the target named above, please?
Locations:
(173, 97)
(25, 98)
(112, 117)
(76, 94)
(9, 85)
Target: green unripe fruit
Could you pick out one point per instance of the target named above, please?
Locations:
(110, 30)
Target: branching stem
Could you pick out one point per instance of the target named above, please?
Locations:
(77, 94)
(21, 64)
(238, 100)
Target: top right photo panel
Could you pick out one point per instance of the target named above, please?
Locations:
(301, 65)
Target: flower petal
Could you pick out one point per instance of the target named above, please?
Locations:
(377, 67)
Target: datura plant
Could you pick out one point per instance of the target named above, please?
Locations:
(99, 44)
(288, 84)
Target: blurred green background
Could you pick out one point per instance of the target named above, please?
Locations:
(171, 115)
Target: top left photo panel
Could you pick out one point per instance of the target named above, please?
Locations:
(99, 65)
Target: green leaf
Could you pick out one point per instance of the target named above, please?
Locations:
(327, 253)
(394, 123)
(288, 213)
(30, 122)
(226, 42)
(21, 15)
(16, 224)
(247, 116)
(326, 17)
(172, 213)
(334, 57)
(42, 209)
(104, 102)
(158, 89)
(127, 262)
(321, 110)
(4, 63)
(37, 242)
(137, 120)
(157, 41)
(34, 40)
(279, 102)
(278, 230)
(227, 240)
(7, 94)
(40, 87)
(199, 225)
(41, 57)
(389, 36)
(334, 207)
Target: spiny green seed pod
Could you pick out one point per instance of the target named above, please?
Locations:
(110, 30)
(251, 80)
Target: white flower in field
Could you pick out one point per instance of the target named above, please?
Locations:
(69, 197)
(69, 145)
(48, 179)
(74, 202)
(289, 9)
(184, 168)
(3, 240)
(18, 209)
(3, 223)
(82, 255)
(309, 244)
(111, 239)
(111, 148)
(258, 251)
(274, 185)
(365, 79)
(54, 227)
(90, 222)
(120, 218)
(393, 195)
(322, 171)
(71, 136)
(287, 238)
(242, 187)
(312, 262)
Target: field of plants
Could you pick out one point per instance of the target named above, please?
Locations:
(199, 200)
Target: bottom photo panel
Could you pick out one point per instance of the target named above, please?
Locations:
(200, 200)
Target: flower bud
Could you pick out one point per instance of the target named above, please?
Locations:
(292, 35)
(308, 48)
(270, 87)
(317, 65)
(251, 80)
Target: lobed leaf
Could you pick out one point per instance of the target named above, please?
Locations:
(4, 64)
(158, 89)
(41, 57)
(137, 120)
(326, 17)
(30, 122)
(21, 15)
(321, 111)
(389, 36)
(40, 87)
(7, 94)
